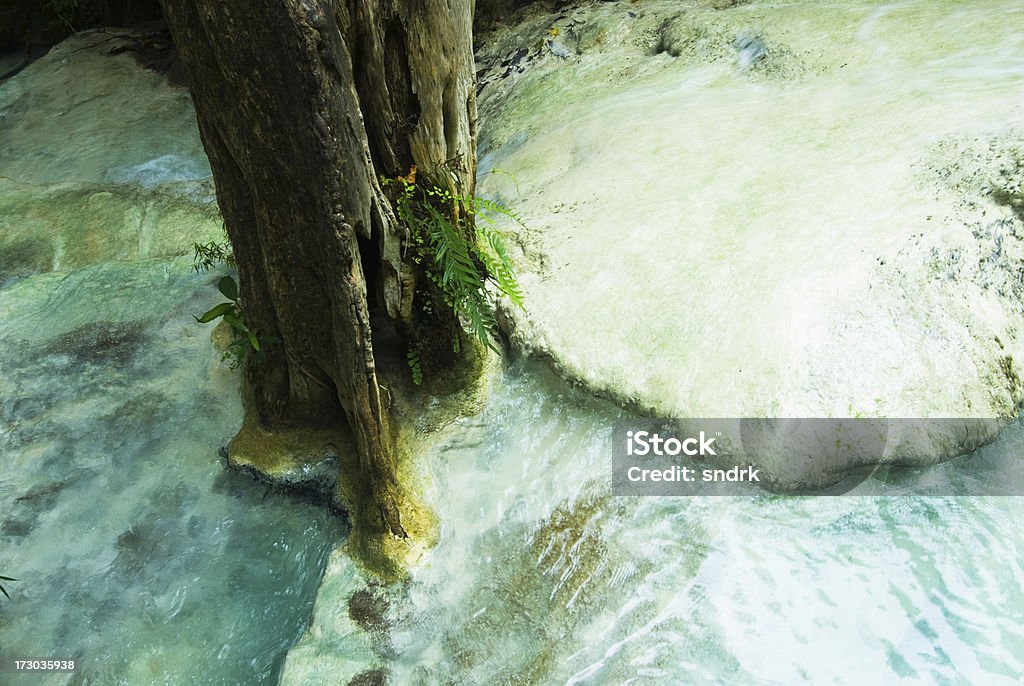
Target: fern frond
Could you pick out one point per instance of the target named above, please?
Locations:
(488, 209)
(460, 258)
(452, 253)
(499, 266)
(479, 315)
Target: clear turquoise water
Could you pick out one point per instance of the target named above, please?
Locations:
(139, 555)
(137, 552)
(542, 577)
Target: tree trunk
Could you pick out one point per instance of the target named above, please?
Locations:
(303, 105)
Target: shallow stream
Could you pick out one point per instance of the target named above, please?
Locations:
(139, 555)
(136, 552)
(542, 577)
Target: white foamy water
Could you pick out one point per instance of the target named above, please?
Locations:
(816, 233)
(769, 209)
(543, 577)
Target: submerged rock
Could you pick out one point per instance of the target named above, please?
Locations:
(84, 114)
(100, 160)
(339, 647)
(772, 211)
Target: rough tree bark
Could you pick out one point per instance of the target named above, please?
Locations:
(303, 105)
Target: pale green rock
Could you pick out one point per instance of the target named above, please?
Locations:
(100, 160)
(65, 226)
(58, 302)
(80, 115)
(335, 648)
(770, 210)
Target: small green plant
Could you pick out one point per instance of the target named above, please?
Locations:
(458, 240)
(4, 590)
(246, 341)
(212, 254)
(219, 253)
(413, 358)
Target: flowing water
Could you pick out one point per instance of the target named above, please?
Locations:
(139, 555)
(763, 176)
(812, 235)
(136, 552)
(543, 577)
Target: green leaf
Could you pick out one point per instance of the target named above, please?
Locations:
(253, 341)
(413, 358)
(229, 288)
(221, 310)
(236, 323)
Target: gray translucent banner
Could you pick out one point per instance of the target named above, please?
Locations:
(869, 456)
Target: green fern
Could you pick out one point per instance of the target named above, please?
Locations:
(460, 260)
(497, 262)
